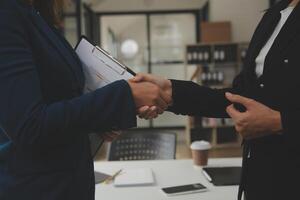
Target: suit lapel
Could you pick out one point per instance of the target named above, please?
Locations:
(57, 43)
(266, 29)
(265, 34)
(284, 38)
(261, 35)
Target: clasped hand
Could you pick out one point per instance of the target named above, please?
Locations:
(257, 121)
(152, 95)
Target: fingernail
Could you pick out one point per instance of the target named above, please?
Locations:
(228, 94)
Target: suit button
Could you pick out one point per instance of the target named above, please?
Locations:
(261, 85)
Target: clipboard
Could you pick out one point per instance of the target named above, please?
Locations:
(99, 67)
(135, 177)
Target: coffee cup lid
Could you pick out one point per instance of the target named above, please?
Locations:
(200, 145)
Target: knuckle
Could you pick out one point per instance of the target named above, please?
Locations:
(250, 101)
(234, 98)
(228, 109)
(241, 122)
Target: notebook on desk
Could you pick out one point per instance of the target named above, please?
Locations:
(222, 176)
(134, 177)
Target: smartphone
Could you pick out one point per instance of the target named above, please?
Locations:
(184, 189)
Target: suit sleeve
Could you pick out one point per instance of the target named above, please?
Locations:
(190, 98)
(26, 117)
(290, 124)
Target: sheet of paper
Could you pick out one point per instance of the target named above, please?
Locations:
(99, 68)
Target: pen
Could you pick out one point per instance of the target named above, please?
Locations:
(206, 175)
(111, 178)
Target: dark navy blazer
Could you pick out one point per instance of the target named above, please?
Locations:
(44, 117)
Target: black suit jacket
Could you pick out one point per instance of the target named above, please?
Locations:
(273, 168)
(45, 153)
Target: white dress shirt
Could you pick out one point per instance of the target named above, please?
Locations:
(260, 59)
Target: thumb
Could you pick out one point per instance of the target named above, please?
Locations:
(138, 78)
(143, 109)
(233, 113)
(233, 98)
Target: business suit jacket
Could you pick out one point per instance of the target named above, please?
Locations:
(46, 153)
(274, 163)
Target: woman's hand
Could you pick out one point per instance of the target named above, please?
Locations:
(151, 112)
(258, 120)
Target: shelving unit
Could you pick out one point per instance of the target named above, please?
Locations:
(215, 65)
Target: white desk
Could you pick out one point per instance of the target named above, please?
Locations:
(166, 173)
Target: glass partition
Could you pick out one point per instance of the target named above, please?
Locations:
(170, 33)
(125, 37)
(70, 30)
(70, 21)
(151, 43)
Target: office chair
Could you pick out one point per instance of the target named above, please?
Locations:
(143, 146)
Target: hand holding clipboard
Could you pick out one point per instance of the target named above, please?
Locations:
(100, 69)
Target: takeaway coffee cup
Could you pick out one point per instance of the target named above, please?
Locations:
(200, 151)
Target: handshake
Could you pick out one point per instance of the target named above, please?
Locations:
(152, 95)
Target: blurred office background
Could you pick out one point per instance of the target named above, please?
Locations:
(200, 40)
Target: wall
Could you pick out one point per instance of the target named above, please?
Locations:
(243, 14)
(145, 5)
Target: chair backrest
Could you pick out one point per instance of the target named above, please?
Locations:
(143, 146)
(96, 141)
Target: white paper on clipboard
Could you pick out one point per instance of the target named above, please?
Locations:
(100, 69)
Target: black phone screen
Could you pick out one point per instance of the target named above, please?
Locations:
(183, 188)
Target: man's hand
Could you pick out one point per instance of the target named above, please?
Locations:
(257, 121)
(151, 112)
